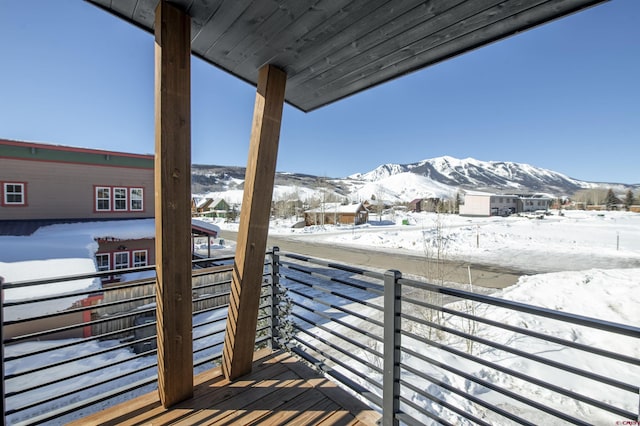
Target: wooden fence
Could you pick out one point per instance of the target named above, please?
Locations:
(205, 282)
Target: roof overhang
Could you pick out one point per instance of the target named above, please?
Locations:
(336, 48)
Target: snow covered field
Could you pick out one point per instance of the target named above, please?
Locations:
(586, 263)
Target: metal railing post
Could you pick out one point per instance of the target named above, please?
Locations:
(2, 350)
(391, 377)
(275, 284)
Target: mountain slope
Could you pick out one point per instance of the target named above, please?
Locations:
(482, 175)
(439, 177)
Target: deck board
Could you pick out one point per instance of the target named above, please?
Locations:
(279, 390)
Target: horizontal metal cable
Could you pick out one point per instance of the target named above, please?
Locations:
(75, 343)
(342, 351)
(301, 269)
(68, 409)
(459, 392)
(339, 377)
(524, 377)
(77, 358)
(75, 277)
(333, 265)
(493, 387)
(210, 358)
(343, 338)
(438, 401)
(427, 413)
(80, 389)
(345, 324)
(38, 335)
(333, 292)
(560, 366)
(406, 419)
(337, 307)
(622, 329)
(84, 372)
(78, 310)
(528, 332)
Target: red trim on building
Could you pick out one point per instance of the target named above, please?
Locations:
(86, 315)
(74, 149)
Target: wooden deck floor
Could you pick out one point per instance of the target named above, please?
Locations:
(280, 390)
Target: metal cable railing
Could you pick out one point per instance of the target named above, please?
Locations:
(102, 348)
(424, 353)
(418, 352)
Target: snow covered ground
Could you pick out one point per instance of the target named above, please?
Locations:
(586, 263)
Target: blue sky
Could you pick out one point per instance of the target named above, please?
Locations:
(564, 96)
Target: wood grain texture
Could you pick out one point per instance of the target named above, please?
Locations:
(254, 223)
(173, 203)
(331, 49)
(280, 390)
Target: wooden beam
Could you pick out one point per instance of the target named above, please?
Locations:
(254, 223)
(173, 203)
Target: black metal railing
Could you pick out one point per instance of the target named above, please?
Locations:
(423, 353)
(417, 352)
(65, 364)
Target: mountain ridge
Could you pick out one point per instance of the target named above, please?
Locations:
(438, 177)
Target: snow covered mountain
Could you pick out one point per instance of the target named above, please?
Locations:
(438, 177)
(482, 175)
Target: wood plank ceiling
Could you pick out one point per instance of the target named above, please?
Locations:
(331, 49)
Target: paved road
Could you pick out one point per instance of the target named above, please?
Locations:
(452, 271)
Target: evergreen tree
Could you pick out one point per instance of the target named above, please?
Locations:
(628, 200)
(610, 199)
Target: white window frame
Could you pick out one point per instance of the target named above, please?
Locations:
(108, 257)
(6, 193)
(117, 265)
(107, 198)
(136, 263)
(133, 197)
(124, 201)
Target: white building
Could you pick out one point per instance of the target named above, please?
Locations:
(486, 204)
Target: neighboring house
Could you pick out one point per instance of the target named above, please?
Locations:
(336, 213)
(532, 203)
(486, 204)
(46, 184)
(210, 207)
(424, 205)
(39, 181)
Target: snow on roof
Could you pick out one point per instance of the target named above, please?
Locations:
(336, 208)
(478, 193)
(208, 227)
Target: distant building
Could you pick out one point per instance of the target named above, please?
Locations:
(487, 204)
(424, 205)
(209, 207)
(336, 213)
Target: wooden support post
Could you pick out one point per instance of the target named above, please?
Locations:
(248, 268)
(172, 198)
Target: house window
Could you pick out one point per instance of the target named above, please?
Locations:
(139, 258)
(135, 198)
(103, 262)
(103, 198)
(120, 199)
(121, 260)
(14, 194)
